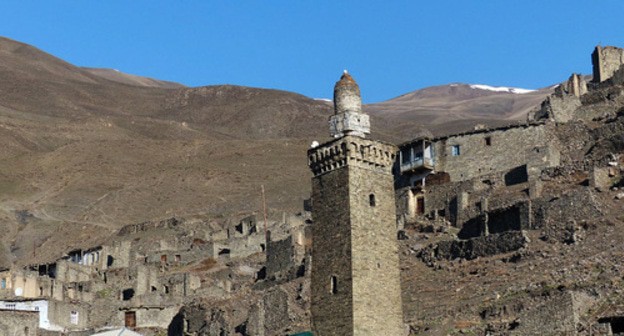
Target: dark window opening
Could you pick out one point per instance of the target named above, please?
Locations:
(333, 285)
(616, 322)
(472, 228)
(130, 319)
(224, 251)
(420, 205)
(163, 258)
(40, 291)
(516, 176)
(153, 289)
(455, 150)
(371, 200)
(505, 220)
(300, 271)
(109, 261)
(406, 154)
(261, 275)
(127, 294)
(239, 228)
(488, 141)
(166, 289)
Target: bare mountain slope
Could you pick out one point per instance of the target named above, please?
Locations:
(129, 79)
(456, 107)
(86, 151)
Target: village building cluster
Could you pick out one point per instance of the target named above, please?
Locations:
(182, 276)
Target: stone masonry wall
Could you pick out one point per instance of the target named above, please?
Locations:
(507, 149)
(331, 254)
(375, 265)
(19, 323)
(606, 60)
(280, 255)
(355, 273)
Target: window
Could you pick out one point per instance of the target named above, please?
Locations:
(455, 151)
(371, 200)
(3, 283)
(130, 319)
(73, 317)
(406, 154)
(333, 285)
(127, 294)
(488, 141)
(178, 258)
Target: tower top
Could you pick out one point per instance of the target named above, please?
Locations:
(348, 118)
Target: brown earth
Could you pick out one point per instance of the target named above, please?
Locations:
(86, 151)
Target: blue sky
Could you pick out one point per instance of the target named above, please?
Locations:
(391, 48)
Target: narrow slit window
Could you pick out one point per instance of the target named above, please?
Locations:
(333, 285)
(371, 200)
(488, 141)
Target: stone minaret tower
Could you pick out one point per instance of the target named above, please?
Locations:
(355, 261)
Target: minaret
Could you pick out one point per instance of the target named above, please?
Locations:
(355, 262)
(348, 118)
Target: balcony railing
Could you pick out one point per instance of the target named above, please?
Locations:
(417, 164)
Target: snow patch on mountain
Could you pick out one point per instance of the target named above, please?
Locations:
(500, 88)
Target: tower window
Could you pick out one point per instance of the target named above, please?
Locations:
(455, 151)
(333, 285)
(488, 141)
(371, 200)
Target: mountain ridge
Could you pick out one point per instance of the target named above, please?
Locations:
(84, 150)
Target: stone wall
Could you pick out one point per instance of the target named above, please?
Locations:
(474, 248)
(484, 153)
(280, 257)
(19, 323)
(559, 314)
(72, 316)
(605, 61)
(332, 311)
(355, 271)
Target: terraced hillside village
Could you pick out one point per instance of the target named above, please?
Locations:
(132, 202)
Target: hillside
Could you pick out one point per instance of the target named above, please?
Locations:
(455, 107)
(90, 150)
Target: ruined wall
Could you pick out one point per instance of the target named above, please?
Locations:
(559, 217)
(575, 86)
(559, 314)
(605, 61)
(276, 310)
(19, 323)
(505, 149)
(117, 255)
(561, 109)
(72, 316)
(474, 248)
(155, 317)
(280, 256)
